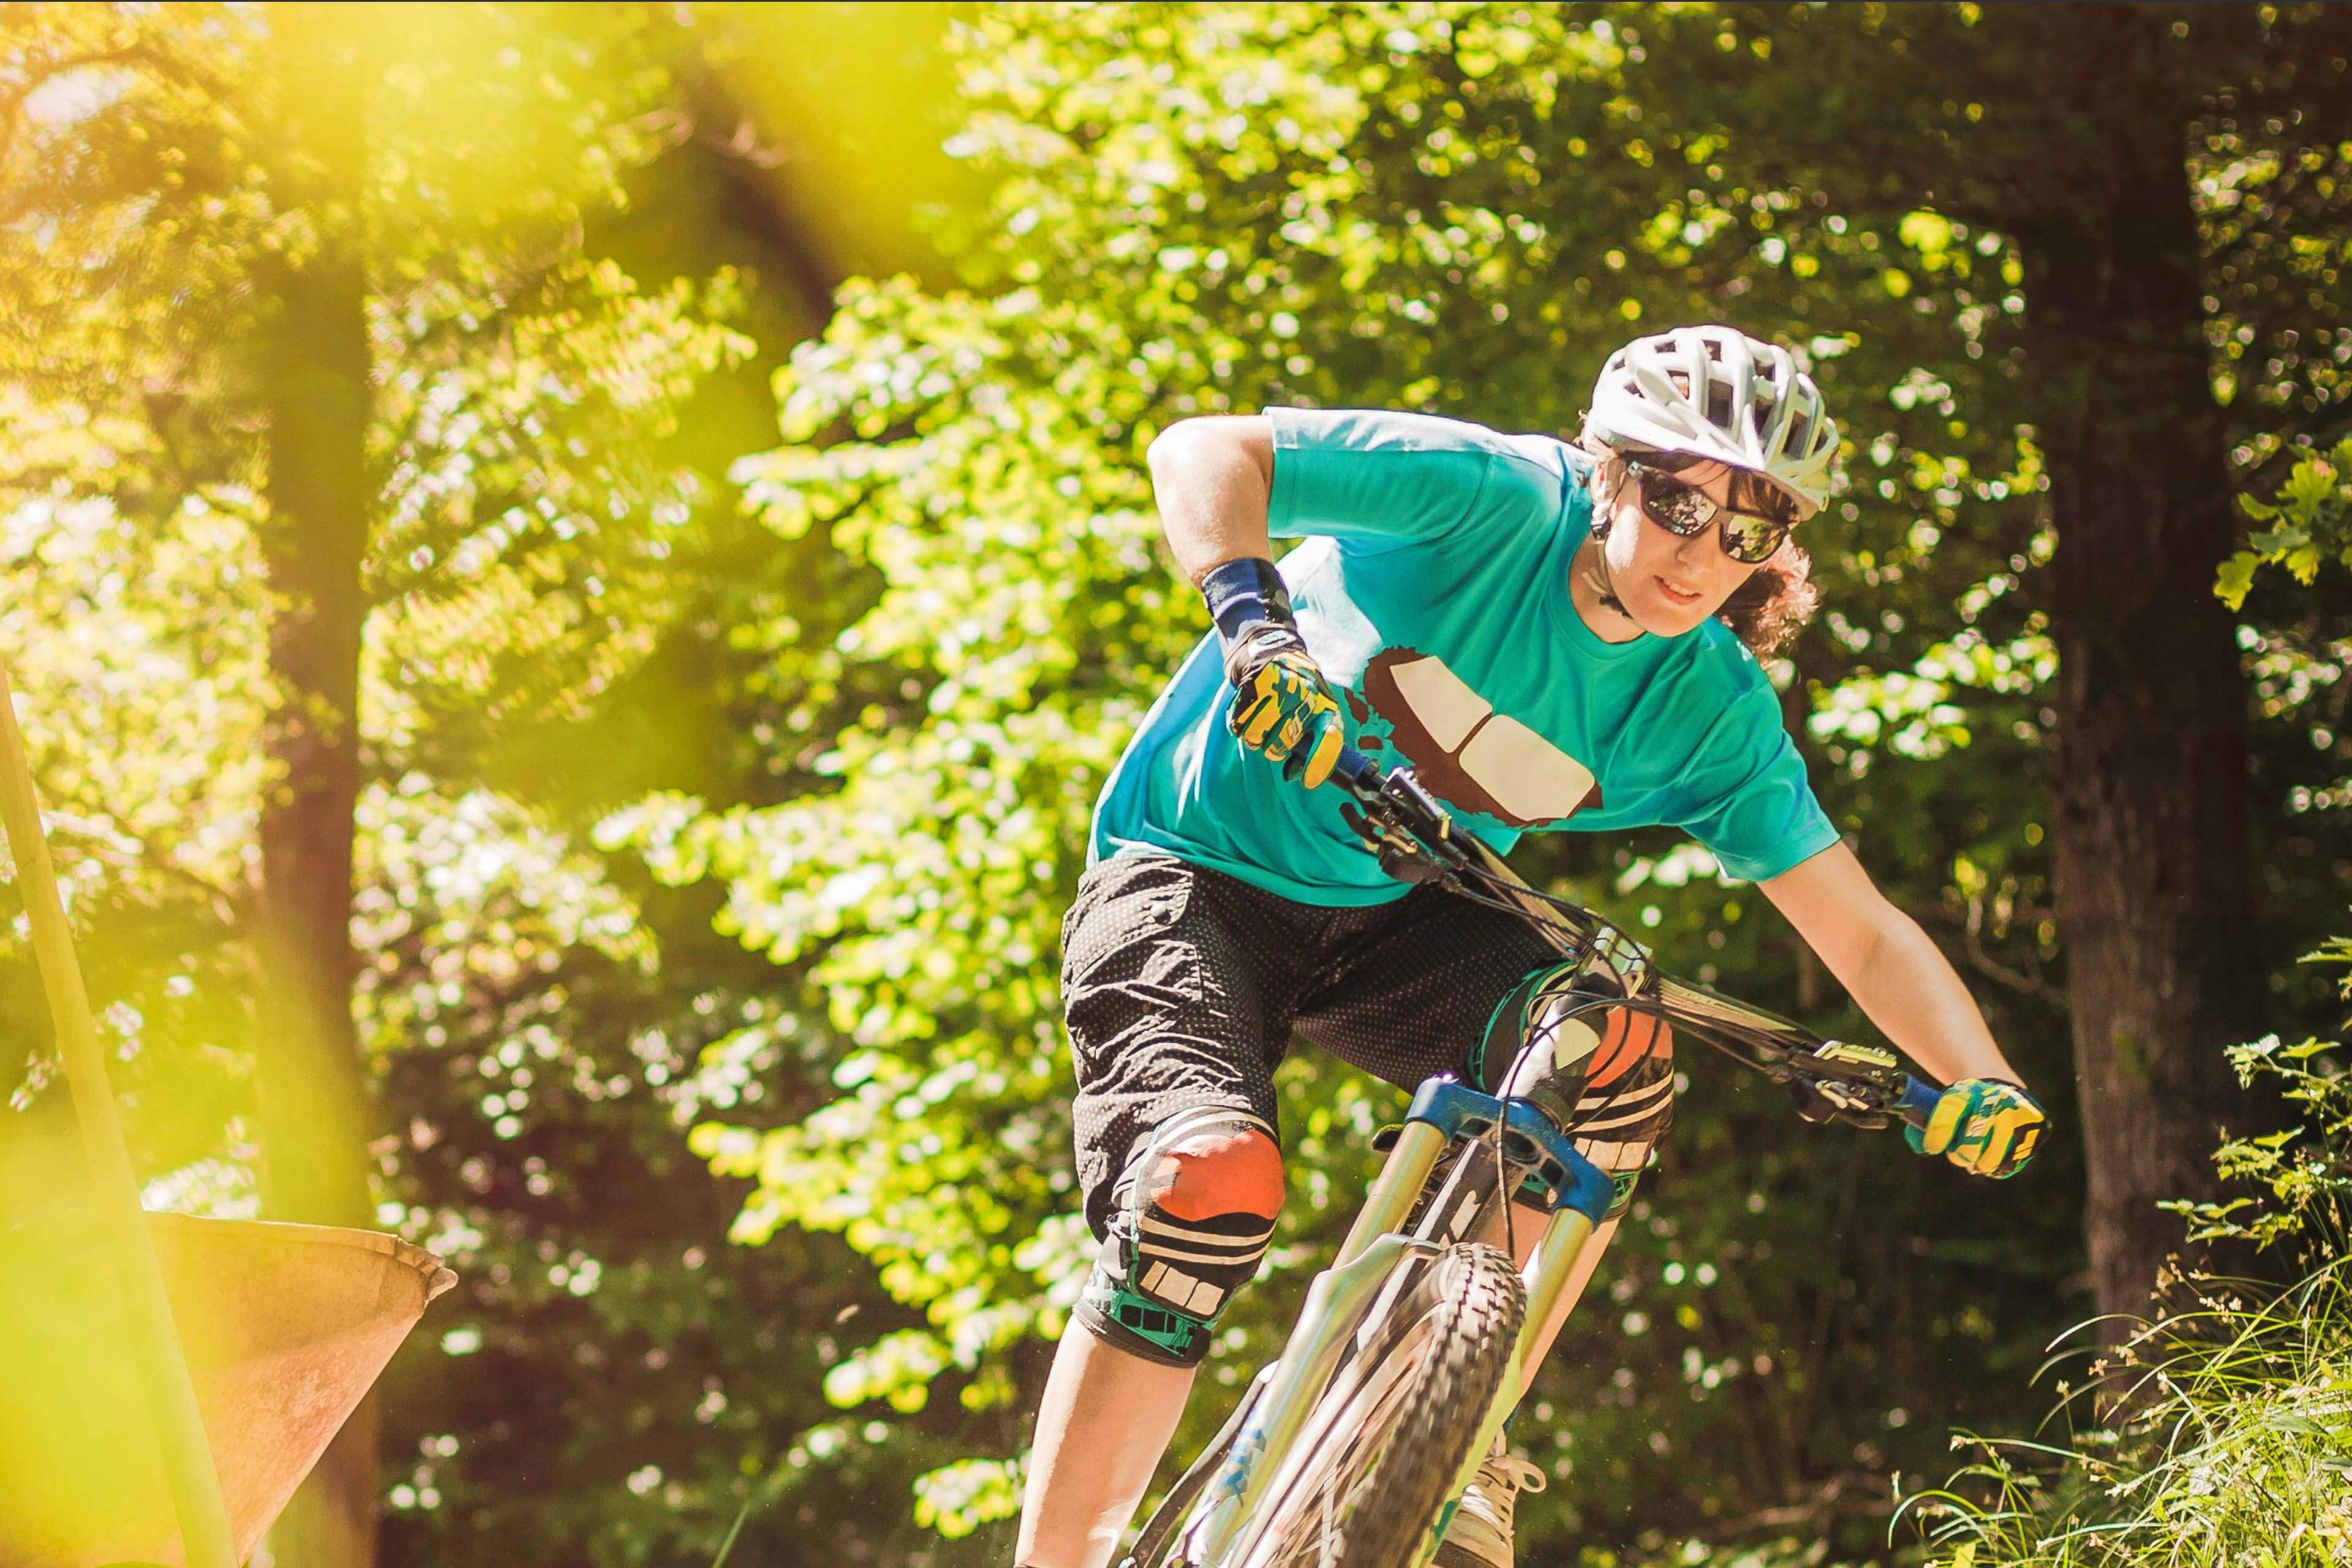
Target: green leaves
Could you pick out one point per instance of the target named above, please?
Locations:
(957, 1498)
(2306, 1168)
(2310, 516)
(548, 550)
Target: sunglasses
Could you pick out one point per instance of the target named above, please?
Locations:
(1758, 519)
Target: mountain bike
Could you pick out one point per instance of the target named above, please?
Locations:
(1351, 1448)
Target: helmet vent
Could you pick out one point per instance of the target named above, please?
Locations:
(1718, 403)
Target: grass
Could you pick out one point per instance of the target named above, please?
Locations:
(2233, 1444)
(2238, 1453)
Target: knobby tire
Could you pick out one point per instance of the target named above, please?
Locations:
(1382, 1449)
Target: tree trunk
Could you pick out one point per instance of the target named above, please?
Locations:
(2150, 830)
(315, 376)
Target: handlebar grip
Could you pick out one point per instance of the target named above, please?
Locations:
(1918, 1102)
(1354, 769)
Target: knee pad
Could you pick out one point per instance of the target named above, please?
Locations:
(1192, 1218)
(1606, 1073)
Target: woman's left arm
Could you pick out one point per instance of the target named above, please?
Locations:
(1889, 966)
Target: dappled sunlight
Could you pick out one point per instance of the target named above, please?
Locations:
(574, 574)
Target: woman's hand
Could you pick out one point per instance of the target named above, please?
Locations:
(1283, 707)
(1983, 1126)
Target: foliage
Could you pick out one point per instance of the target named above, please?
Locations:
(1452, 208)
(2306, 1171)
(2235, 1416)
(2242, 1454)
(2308, 517)
(555, 574)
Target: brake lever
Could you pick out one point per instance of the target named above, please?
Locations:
(1402, 823)
(1811, 1104)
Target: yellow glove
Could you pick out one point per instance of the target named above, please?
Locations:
(1983, 1126)
(1282, 705)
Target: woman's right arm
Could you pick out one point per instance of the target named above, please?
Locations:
(1212, 478)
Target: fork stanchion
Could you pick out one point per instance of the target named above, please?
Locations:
(155, 1341)
(1395, 1190)
(1555, 1260)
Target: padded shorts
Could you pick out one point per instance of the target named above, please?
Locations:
(1183, 987)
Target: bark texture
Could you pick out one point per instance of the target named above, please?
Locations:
(316, 373)
(2150, 815)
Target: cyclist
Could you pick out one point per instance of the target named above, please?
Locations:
(1554, 636)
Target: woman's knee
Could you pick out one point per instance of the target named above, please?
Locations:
(1195, 1211)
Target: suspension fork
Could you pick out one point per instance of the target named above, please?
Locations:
(1336, 1304)
(1579, 1194)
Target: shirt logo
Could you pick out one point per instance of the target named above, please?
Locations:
(1465, 753)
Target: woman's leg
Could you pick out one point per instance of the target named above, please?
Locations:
(1105, 1419)
(1175, 987)
(1186, 1238)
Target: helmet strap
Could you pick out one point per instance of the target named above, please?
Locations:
(1596, 575)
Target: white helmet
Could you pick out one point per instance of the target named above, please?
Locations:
(1715, 392)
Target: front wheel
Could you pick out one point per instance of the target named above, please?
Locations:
(1379, 1456)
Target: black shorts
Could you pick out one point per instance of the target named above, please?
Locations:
(1184, 986)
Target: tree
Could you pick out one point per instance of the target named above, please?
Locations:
(276, 277)
(553, 585)
(2144, 244)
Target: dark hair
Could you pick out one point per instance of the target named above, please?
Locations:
(1768, 610)
(1772, 607)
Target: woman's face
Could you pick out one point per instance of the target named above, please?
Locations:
(1668, 583)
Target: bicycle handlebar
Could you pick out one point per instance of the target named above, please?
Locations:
(1355, 771)
(1409, 825)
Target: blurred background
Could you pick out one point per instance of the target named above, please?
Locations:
(573, 572)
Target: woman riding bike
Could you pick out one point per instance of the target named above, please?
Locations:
(1554, 636)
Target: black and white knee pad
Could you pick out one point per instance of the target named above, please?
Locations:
(1606, 1073)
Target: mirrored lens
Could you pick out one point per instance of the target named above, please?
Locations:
(1749, 492)
(1673, 505)
(1754, 493)
(1684, 510)
(1749, 540)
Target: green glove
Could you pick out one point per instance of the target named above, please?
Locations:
(1282, 705)
(1982, 1125)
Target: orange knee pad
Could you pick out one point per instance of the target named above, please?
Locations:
(1221, 1171)
(1194, 1213)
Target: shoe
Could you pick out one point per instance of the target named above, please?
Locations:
(1479, 1534)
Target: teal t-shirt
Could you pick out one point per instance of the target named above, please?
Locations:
(1434, 591)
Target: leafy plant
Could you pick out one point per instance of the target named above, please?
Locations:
(2304, 1168)
(2240, 1451)
(2235, 1442)
(2310, 519)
